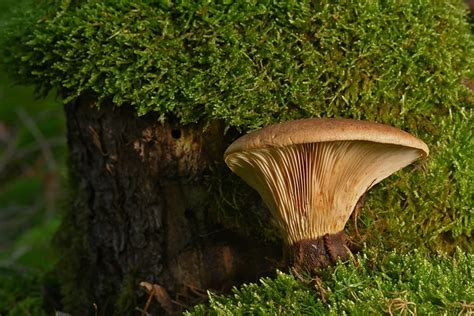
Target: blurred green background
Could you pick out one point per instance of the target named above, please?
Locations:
(32, 172)
(32, 142)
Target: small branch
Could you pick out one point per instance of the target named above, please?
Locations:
(319, 285)
(161, 295)
(39, 137)
(30, 149)
(96, 310)
(8, 154)
(51, 182)
(142, 311)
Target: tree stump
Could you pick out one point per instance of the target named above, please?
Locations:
(140, 210)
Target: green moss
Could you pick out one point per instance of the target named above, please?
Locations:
(20, 293)
(430, 204)
(30, 306)
(72, 240)
(127, 298)
(386, 283)
(234, 61)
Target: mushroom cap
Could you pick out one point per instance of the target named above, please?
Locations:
(325, 130)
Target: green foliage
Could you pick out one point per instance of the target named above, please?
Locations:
(30, 306)
(24, 272)
(33, 248)
(377, 284)
(20, 293)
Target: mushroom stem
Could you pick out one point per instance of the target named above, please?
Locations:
(310, 254)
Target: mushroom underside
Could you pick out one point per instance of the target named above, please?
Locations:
(311, 189)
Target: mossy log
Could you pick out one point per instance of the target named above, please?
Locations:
(141, 212)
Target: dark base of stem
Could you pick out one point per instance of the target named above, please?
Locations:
(311, 254)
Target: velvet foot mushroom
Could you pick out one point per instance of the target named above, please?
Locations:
(312, 172)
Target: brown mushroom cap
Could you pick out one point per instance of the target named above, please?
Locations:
(325, 130)
(311, 173)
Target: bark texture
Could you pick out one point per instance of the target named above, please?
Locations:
(140, 210)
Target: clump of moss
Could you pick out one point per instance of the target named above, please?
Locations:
(428, 204)
(21, 293)
(74, 243)
(390, 283)
(235, 61)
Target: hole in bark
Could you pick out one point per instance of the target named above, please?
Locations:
(189, 214)
(175, 133)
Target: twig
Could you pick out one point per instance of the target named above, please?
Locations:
(401, 306)
(161, 295)
(30, 149)
(319, 286)
(95, 309)
(8, 153)
(142, 311)
(199, 292)
(148, 302)
(466, 308)
(51, 181)
(39, 137)
(297, 274)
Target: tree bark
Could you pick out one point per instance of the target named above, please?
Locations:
(140, 210)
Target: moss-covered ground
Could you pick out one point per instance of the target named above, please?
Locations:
(250, 64)
(371, 284)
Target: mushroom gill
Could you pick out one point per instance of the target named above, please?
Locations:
(311, 189)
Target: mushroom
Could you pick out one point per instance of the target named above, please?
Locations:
(312, 172)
